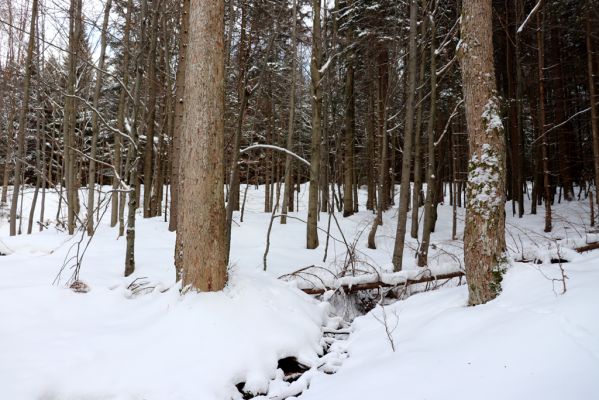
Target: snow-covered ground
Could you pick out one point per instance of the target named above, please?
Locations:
(152, 343)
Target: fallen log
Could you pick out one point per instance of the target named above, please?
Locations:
(347, 288)
(588, 247)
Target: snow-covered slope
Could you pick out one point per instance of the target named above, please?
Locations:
(111, 344)
(530, 342)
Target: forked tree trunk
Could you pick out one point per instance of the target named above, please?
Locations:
(202, 230)
(484, 233)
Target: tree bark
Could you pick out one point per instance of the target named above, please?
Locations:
(202, 159)
(542, 134)
(592, 100)
(288, 191)
(312, 226)
(406, 162)
(91, 178)
(23, 122)
(431, 173)
(484, 233)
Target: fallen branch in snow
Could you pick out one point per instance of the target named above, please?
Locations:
(349, 288)
(588, 247)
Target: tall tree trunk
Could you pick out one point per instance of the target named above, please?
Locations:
(91, 178)
(151, 118)
(288, 194)
(592, 99)
(417, 132)
(23, 121)
(431, 173)
(484, 233)
(350, 122)
(133, 152)
(202, 158)
(312, 226)
(542, 134)
(116, 206)
(70, 112)
(176, 177)
(559, 100)
(406, 162)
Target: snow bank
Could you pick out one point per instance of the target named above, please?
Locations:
(56, 344)
(531, 342)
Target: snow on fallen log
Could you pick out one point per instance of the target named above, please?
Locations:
(588, 247)
(309, 282)
(384, 282)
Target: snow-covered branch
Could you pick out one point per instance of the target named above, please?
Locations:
(272, 147)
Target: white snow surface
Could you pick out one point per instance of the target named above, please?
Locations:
(113, 344)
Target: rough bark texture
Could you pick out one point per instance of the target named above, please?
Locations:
(202, 158)
(176, 178)
(484, 233)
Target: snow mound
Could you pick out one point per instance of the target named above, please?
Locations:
(56, 344)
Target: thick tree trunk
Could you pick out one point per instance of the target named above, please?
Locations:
(202, 230)
(484, 233)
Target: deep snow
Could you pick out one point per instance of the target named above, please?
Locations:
(110, 343)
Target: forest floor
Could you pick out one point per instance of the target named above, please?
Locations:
(138, 338)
